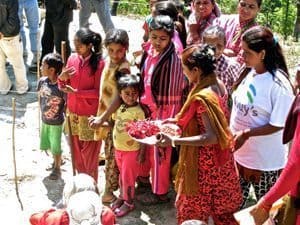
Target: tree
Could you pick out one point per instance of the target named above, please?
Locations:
(297, 22)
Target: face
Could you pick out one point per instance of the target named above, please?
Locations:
(46, 70)
(247, 9)
(129, 95)
(252, 58)
(82, 49)
(217, 42)
(192, 75)
(159, 40)
(116, 52)
(203, 8)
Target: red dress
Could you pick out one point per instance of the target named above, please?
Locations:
(219, 193)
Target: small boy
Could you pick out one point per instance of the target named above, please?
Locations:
(227, 69)
(52, 102)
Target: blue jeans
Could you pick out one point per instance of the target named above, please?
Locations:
(32, 15)
(103, 12)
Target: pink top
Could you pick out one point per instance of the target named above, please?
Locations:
(232, 26)
(290, 175)
(84, 102)
(165, 111)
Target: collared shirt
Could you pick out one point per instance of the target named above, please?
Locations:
(227, 70)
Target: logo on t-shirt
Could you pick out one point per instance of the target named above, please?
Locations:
(251, 93)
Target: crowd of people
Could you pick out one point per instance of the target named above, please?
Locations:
(223, 79)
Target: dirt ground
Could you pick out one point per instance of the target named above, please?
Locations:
(36, 191)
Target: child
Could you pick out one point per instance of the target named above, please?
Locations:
(81, 81)
(116, 43)
(52, 109)
(163, 80)
(128, 153)
(227, 69)
(88, 205)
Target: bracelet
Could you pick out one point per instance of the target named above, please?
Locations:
(173, 143)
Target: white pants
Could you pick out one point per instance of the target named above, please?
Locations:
(12, 50)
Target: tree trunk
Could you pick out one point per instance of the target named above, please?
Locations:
(297, 22)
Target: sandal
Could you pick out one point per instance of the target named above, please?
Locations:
(152, 199)
(124, 209)
(55, 174)
(117, 204)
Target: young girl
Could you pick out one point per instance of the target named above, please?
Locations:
(206, 182)
(116, 43)
(128, 153)
(164, 83)
(81, 81)
(261, 102)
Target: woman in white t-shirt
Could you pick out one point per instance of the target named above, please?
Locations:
(261, 101)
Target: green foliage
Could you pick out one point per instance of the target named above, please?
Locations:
(137, 7)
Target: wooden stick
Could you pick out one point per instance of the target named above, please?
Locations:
(14, 151)
(63, 56)
(38, 78)
(63, 52)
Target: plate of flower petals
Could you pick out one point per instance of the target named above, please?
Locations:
(146, 131)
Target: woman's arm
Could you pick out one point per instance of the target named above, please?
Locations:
(207, 138)
(96, 121)
(242, 136)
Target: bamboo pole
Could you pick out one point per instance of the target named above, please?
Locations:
(63, 56)
(14, 151)
(38, 55)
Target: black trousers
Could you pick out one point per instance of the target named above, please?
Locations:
(53, 35)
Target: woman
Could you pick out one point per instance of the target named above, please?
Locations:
(236, 25)
(261, 100)
(206, 182)
(203, 14)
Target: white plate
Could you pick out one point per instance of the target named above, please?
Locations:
(152, 140)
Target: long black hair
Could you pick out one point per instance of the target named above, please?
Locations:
(87, 36)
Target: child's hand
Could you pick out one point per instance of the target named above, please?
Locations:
(67, 73)
(69, 89)
(95, 121)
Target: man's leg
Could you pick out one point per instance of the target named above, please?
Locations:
(103, 13)
(85, 13)
(5, 82)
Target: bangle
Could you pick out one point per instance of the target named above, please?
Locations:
(173, 142)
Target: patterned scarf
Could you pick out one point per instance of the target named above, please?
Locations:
(167, 79)
(187, 176)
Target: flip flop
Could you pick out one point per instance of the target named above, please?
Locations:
(117, 204)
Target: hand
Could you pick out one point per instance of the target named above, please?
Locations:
(69, 89)
(169, 120)
(67, 73)
(228, 52)
(95, 121)
(259, 214)
(239, 139)
(1, 35)
(163, 140)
